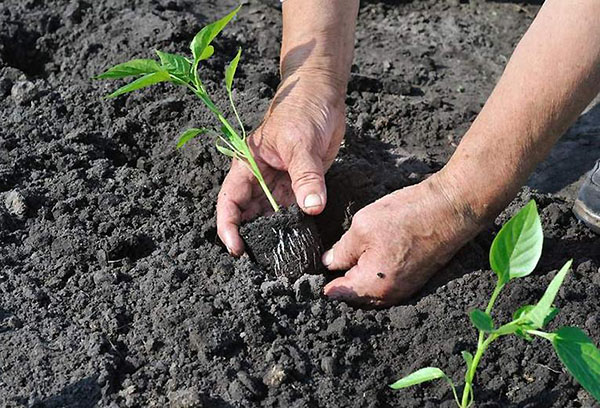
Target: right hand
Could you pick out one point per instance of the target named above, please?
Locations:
(293, 147)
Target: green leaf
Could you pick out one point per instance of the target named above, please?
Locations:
(208, 52)
(523, 310)
(189, 135)
(224, 150)
(551, 315)
(418, 377)
(508, 328)
(230, 71)
(542, 312)
(233, 138)
(522, 333)
(176, 65)
(468, 357)
(131, 68)
(518, 246)
(202, 40)
(481, 320)
(581, 357)
(146, 80)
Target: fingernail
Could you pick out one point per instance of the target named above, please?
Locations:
(229, 250)
(312, 200)
(327, 258)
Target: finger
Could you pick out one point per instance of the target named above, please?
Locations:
(253, 209)
(340, 289)
(236, 189)
(228, 221)
(345, 253)
(367, 283)
(345, 289)
(308, 181)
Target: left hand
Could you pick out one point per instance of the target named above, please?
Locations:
(397, 243)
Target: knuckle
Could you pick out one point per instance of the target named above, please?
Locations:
(360, 222)
(306, 178)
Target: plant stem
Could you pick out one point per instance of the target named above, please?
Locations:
(245, 150)
(495, 294)
(260, 179)
(481, 347)
(547, 336)
(237, 117)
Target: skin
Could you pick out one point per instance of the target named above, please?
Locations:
(397, 243)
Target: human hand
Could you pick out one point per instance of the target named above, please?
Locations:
(293, 147)
(397, 243)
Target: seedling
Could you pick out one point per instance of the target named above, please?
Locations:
(515, 252)
(182, 71)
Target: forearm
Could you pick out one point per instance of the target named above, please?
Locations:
(318, 37)
(552, 76)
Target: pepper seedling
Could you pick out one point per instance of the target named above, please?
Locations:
(182, 71)
(515, 253)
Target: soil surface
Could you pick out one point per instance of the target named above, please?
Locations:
(115, 290)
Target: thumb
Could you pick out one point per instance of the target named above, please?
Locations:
(358, 286)
(345, 253)
(308, 181)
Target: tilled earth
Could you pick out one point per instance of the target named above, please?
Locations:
(115, 290)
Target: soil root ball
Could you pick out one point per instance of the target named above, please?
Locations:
(286, 243)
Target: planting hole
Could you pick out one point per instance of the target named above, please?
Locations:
(19, 49)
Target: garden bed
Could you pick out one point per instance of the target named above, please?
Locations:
(114, 286)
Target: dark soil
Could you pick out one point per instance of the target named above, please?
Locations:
(115, 290)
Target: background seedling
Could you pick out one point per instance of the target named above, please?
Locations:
(182, 71)
(515, 252)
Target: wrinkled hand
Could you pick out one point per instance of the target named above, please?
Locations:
(397, 243)
(293, 147)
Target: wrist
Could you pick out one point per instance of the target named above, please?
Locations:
(319, 82)
(478, 191)
(457, 196)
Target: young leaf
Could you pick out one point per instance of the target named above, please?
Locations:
(418, 377)
(481, 320)
(508, 328)
(146, 80)
(541, 312)
(518, 246)
(230, 71)
(130, 68)
(203, 39)
(233, 138)
(581, 357)
(468, 357)
(175, 65)
(208, 52)
(189, 135)
(224, 150)
(522, 333)
(523, 310)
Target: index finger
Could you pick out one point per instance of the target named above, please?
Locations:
(235, 192)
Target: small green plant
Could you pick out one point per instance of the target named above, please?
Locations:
(514, 254)
(182, 71)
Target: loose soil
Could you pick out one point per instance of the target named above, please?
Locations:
(115, 290)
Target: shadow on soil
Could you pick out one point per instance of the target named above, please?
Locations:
(83, 393)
